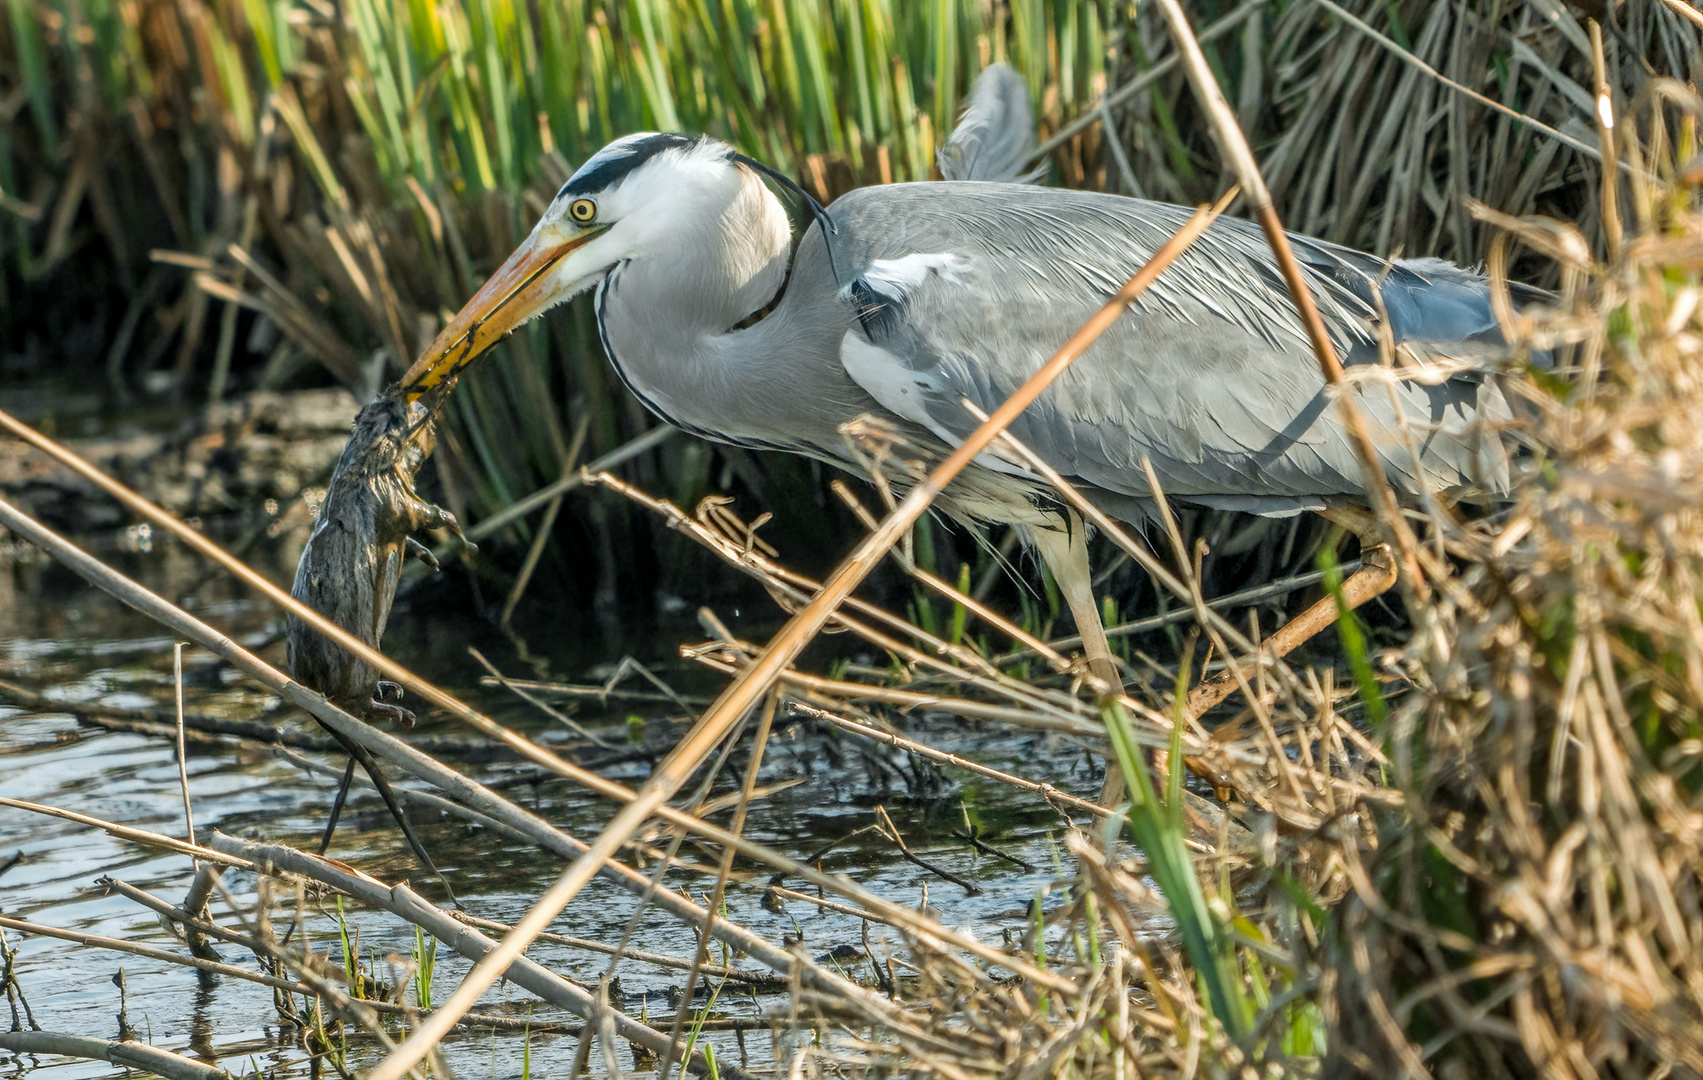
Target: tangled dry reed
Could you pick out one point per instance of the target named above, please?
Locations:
(1534, 909)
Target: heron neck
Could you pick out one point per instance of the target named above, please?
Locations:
(664, 316)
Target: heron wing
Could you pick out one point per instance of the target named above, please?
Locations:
(995, 137)
(959, 292)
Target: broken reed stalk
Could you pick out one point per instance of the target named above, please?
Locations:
(782, 650)
(1234, 146)
(24, 926)
(125, 1054)
(128, 833)
(701, 956)
(535, 829)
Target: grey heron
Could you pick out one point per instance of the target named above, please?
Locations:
(908, 301)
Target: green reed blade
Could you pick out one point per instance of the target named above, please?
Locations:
(32, 71)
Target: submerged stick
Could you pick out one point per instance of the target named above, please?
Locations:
(129, 1055)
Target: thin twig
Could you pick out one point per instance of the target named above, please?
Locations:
(554, 714)
(701, 957)
(126, 832)
(523, 578)
(633, 448)
(888, 829)
(182, 751)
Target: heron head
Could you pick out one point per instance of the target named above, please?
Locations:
(642, 195)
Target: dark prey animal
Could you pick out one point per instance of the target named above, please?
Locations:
(353, 559)
(350, 568)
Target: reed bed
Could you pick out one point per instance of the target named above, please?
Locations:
(269, 193)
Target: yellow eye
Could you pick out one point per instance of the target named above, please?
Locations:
(582, 210)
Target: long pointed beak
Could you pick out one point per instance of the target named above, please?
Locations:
(520, 289)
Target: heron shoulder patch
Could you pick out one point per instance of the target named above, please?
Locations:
(897, 277)
(878, 296)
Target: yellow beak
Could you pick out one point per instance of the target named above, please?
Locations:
(521, 288)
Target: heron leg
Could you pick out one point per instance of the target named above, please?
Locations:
(1066, 554)
(1376, 575)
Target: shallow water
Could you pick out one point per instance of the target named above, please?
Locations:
(59, 635)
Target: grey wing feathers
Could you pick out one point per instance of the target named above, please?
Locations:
(995, 136)
(962, 291)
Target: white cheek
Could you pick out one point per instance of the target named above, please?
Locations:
(584, 267)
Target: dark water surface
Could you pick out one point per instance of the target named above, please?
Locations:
(60, 636)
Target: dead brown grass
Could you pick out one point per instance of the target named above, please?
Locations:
(1536, 907)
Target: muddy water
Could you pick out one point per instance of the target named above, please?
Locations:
(60, 636)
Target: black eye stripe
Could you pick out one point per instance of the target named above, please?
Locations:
(617, 169)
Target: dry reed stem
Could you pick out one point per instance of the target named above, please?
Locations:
(97, 941)
(128, 833)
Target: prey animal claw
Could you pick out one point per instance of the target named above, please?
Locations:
(421, 552)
